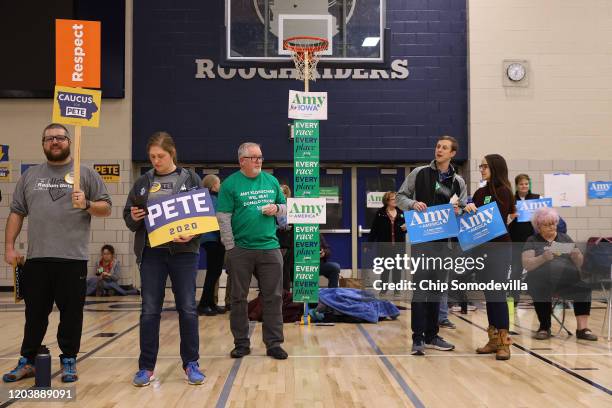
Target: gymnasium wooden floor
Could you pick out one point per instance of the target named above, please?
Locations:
(347, 365)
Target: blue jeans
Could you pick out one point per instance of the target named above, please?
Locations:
(443, 315)
(92, 284)
(157, 264)
(331, 270)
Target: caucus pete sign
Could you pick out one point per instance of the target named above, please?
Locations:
(184, 214)
(76, 106)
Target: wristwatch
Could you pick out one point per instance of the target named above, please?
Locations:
(87, 205)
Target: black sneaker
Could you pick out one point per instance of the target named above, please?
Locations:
(277, 353)
(240, 351)
(218, 309)
(206, 311)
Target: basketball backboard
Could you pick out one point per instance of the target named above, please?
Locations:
(255, 29)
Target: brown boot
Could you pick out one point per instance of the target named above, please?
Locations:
(491, 346)
(503, 348)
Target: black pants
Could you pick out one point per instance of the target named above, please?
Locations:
(498, 257)
(215, 253)
(46, 282)
(542, 287)
(544, 312)
(425, 305)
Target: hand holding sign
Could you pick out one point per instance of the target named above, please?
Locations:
(137, 213)
(435, 223)
(419, 206)
(79, 200)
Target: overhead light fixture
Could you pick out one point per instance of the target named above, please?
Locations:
(370, 42)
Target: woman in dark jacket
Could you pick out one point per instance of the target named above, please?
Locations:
(520, 231)
(177, 259)
(389, 226)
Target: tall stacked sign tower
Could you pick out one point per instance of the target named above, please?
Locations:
(77, 66)
(307, 210)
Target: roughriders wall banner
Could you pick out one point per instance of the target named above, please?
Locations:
(306, 184)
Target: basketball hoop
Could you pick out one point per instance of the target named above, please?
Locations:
(306, 52)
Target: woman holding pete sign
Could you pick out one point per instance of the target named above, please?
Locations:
(177, 258)
(494, 171)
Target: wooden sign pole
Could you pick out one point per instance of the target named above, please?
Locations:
(77, 159)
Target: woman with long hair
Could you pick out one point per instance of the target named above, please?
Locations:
(494, 171)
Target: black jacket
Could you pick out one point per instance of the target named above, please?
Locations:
(381, 227)
(139, 194)
(422, 184)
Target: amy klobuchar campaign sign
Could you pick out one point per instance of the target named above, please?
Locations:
(184, 214)
(437, 222)
(526, 208)
(480, 227)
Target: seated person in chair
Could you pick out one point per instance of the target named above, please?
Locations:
(107, 275)
(551, 274)
(331, 270)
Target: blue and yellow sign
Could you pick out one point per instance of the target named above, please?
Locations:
(181, 214)
(5, 172)
(4, 153)
(77, 106)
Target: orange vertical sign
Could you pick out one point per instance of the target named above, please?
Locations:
(77, 53)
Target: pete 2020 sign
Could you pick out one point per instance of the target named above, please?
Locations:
(186, 213)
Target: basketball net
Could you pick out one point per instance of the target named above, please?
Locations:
(306, 52)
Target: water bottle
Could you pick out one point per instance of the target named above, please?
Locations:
(42, 367)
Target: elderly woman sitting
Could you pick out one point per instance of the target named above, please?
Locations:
(554, 273)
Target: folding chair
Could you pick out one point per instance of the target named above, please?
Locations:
(559, 300)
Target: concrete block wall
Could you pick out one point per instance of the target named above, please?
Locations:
(582, 222)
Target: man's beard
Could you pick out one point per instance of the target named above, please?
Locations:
(257, 170)
(57, 157)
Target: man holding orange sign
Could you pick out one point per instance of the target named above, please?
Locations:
(56, 266)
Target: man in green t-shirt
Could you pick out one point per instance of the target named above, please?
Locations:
(248, 202)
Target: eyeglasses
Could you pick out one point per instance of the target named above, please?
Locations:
(553, 225)
(254, 159)
(483, 166)
(48, 139)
